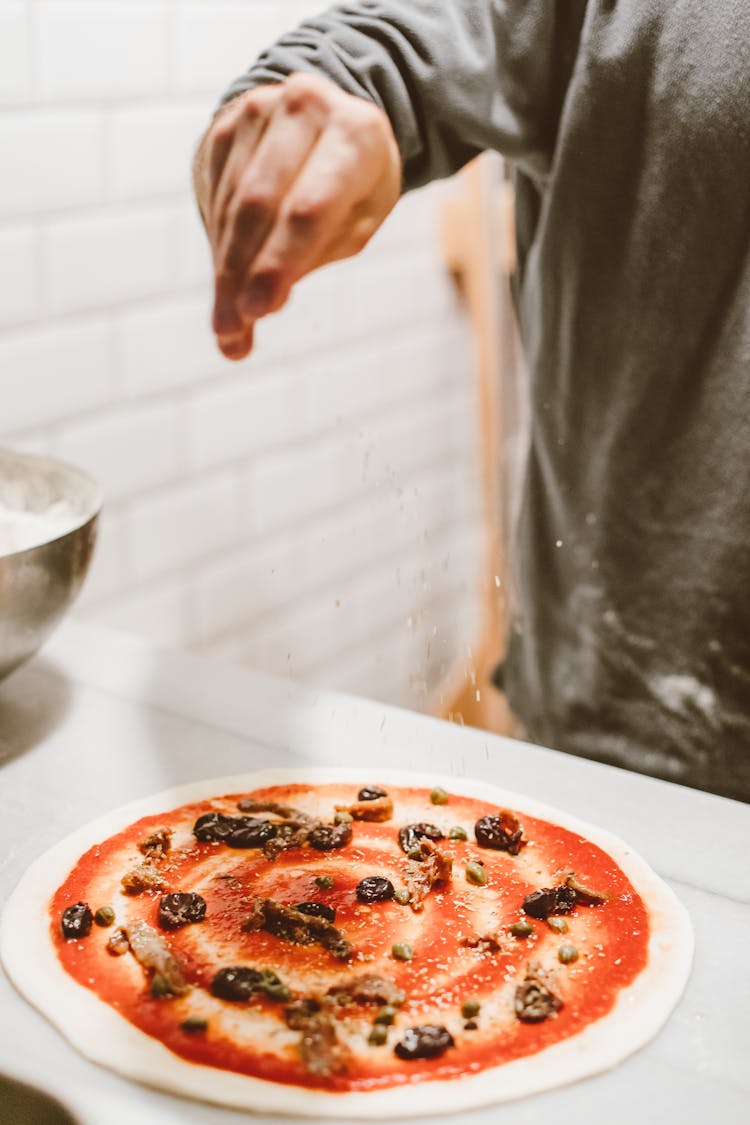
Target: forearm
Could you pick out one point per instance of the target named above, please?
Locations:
(432, 65)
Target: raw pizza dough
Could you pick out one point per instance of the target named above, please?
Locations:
(107, 1038)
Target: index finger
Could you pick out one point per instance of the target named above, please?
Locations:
(283, 148)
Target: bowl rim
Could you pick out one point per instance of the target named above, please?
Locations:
(35, 461)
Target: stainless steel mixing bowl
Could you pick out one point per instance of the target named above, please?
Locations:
(38, 584)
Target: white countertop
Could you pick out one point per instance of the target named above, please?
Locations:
(101, 719)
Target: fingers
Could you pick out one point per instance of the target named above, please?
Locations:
(220, 160)
(246, 210)
(235, 137)
(290, 176)
(317, 203)
(339, 198)
(233, 336)
(226, 142)
(238, 346)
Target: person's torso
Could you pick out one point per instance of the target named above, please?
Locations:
(633, 641)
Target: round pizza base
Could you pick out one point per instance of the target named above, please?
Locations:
(106, 1038)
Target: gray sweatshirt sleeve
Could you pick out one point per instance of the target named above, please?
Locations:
(455, 77)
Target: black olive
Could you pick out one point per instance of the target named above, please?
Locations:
(249, 832)
(180, 909)
(234, 831)
(236, 983)
(375, 888)
(411, 834)
(554, 900)
(317, 910)
(76, 921)
(501, 831)
(239, 983)
(371, 793)
(425, 1042)
(325, 837)
(534, 1002)
(212, 827)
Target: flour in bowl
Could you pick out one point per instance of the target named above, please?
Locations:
(21, 529)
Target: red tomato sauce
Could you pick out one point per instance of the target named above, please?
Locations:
(612, 939)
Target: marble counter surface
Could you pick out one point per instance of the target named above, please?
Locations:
(101, 719)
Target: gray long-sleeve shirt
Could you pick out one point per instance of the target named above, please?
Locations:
(629, 125)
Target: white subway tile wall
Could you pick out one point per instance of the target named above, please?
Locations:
(14, 53)
(97, 49)
(18, 275)
(105, 259)
(313, 510)
(52, 158)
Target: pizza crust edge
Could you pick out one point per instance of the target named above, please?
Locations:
(109, 1040)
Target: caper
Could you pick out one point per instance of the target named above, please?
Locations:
(457, 833)
(276, 991)
(475, 873)
(559, 925)
(522, 929)
(325, 882)
(193, 1024)
(343, 818)
(160, 987)
(402, 896)
(567, 953)
(402, 951)
(470, 1008)
(378, 1035)
(386, 1015)
(104, 916)
(439, 796)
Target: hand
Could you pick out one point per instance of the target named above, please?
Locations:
(289, 177)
